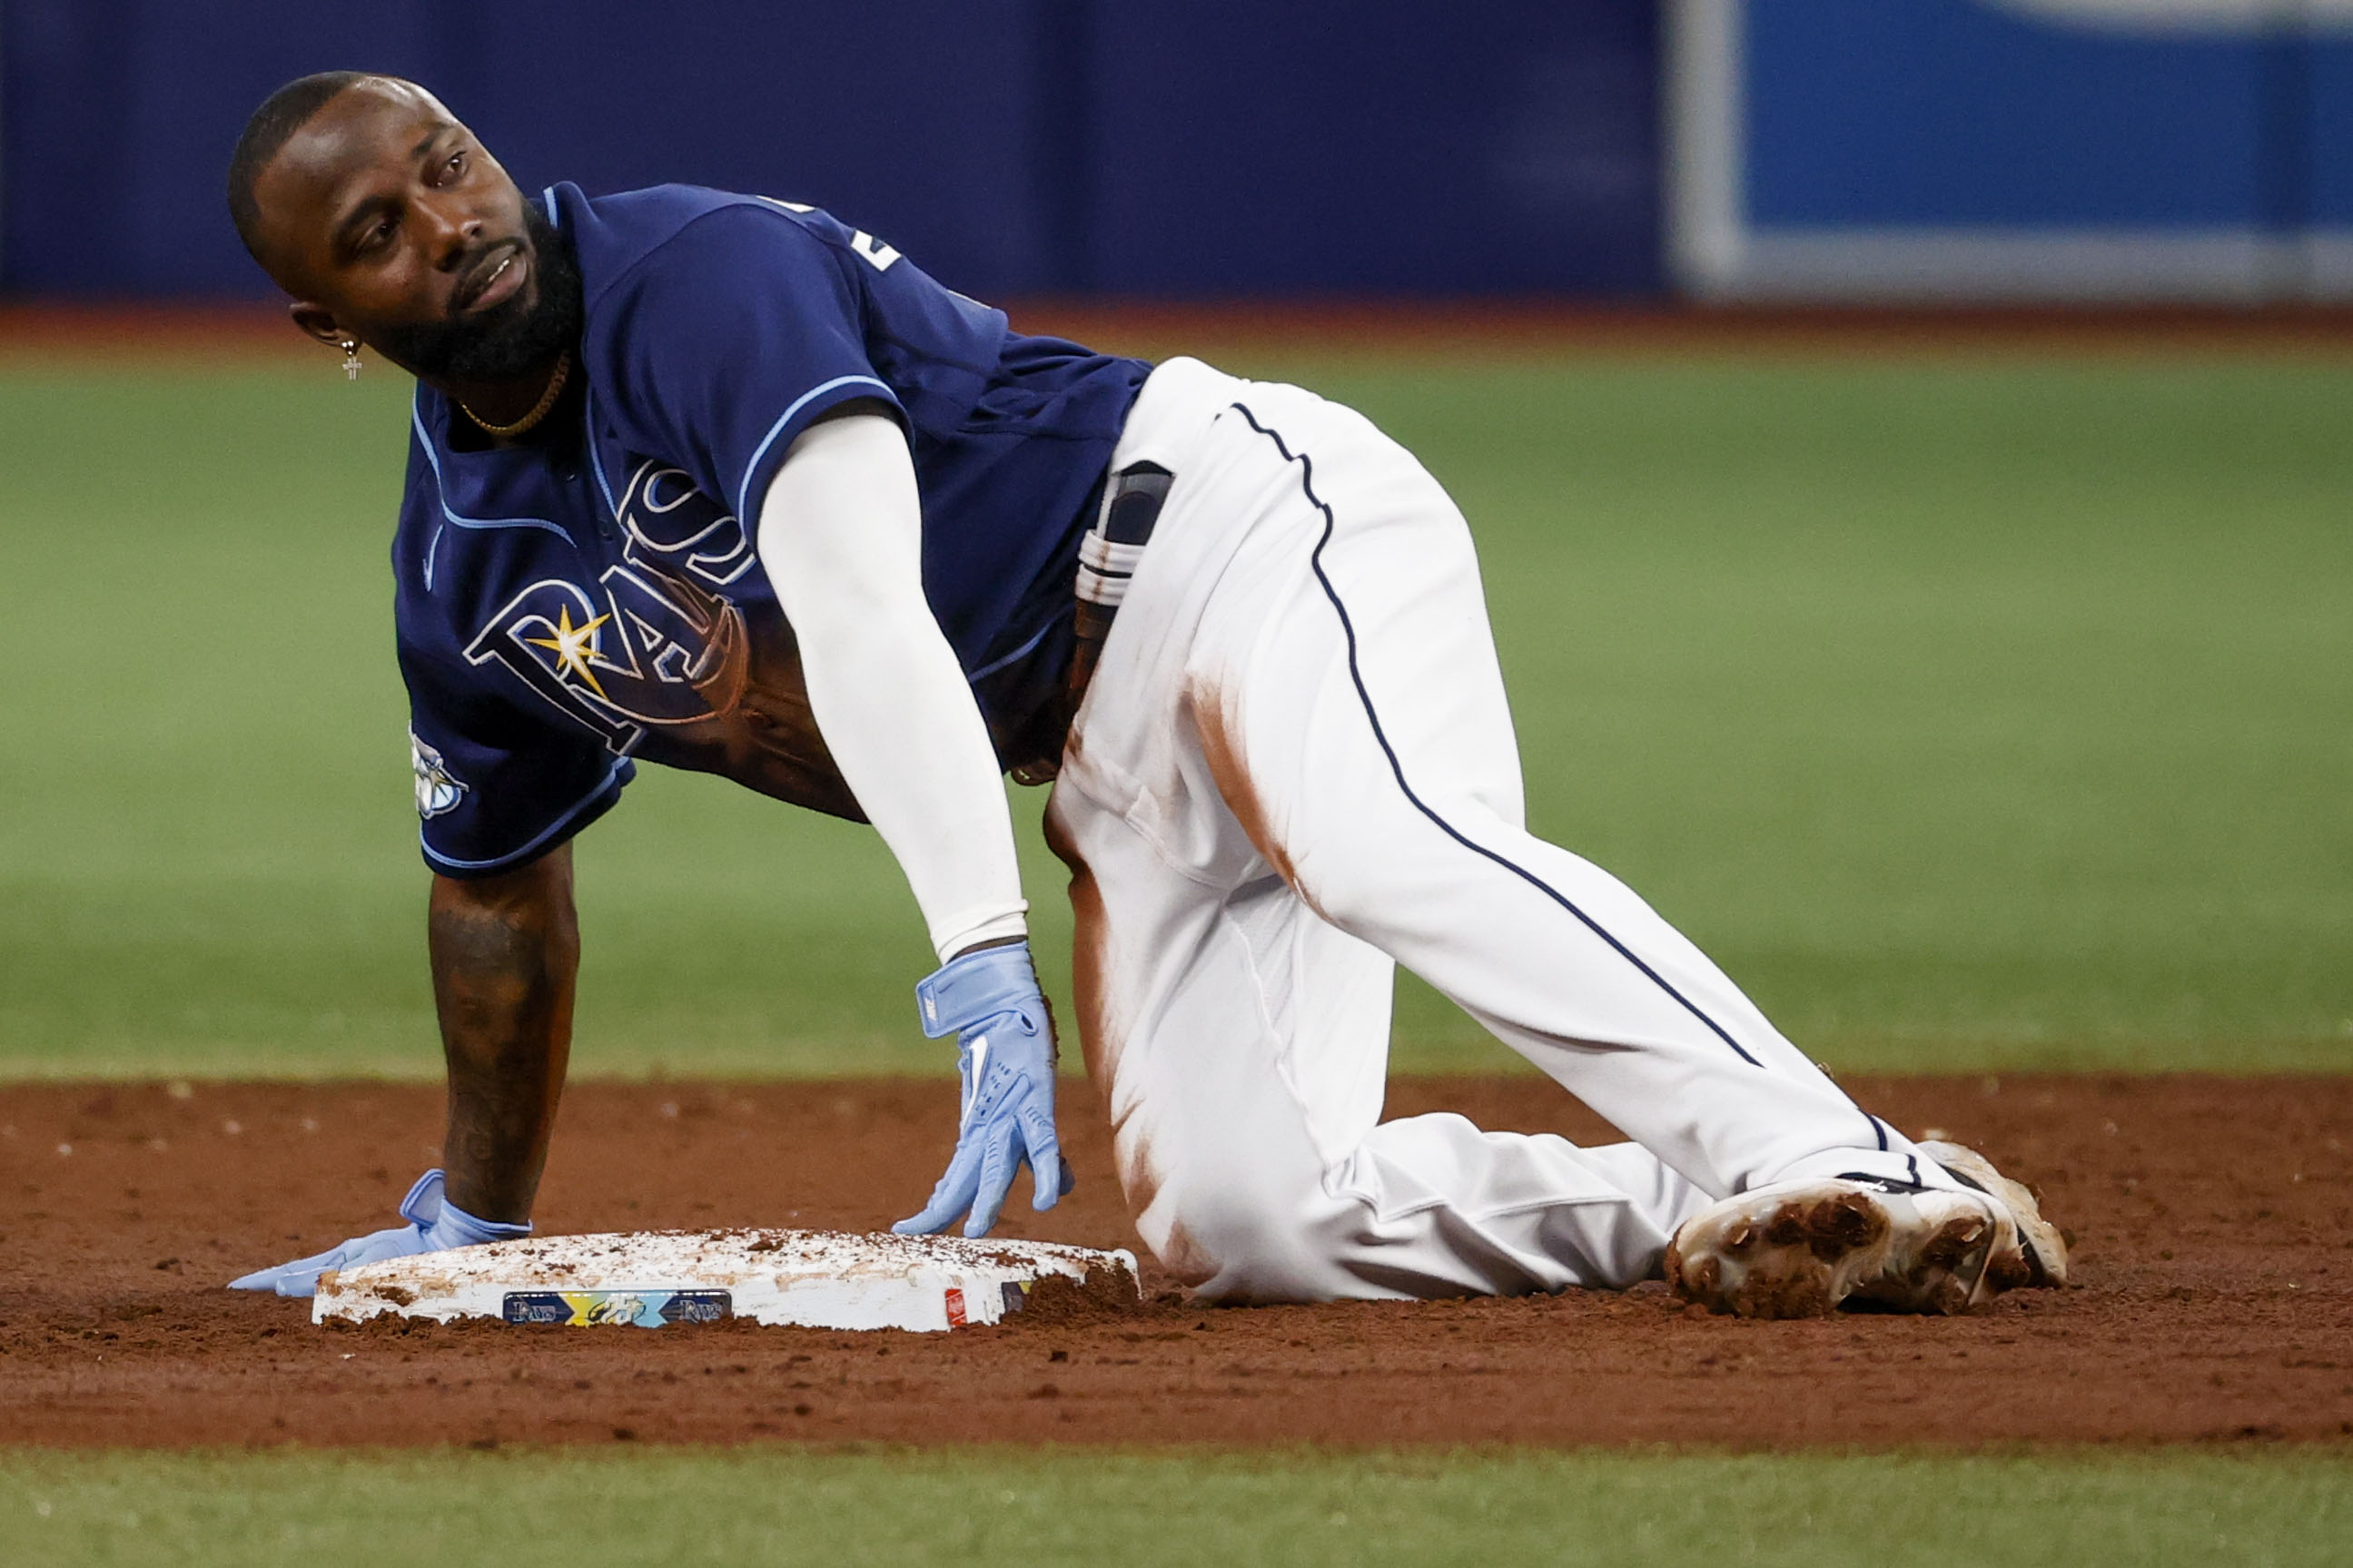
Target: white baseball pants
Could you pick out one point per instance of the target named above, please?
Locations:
(1294, 767)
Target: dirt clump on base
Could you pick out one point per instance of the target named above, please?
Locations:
(1104, 1296)
(2212, 1222)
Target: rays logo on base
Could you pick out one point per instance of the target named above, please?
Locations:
(636, 1309)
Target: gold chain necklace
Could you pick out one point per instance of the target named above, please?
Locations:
(538, 410)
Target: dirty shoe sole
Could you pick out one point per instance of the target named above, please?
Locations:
(2040, 1257)
(1799, 1249)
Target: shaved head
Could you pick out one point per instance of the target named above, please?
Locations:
(281, 114)
(387, 223)
(305, 125)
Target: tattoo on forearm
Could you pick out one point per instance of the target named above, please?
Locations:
(504, 957)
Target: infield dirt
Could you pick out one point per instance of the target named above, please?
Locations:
(2212, 1217)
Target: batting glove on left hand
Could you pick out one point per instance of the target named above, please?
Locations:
(435, 1225)
(1005, 1054)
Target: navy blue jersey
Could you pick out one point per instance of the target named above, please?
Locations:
(591, 595)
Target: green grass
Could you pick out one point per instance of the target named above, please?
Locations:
(1969, 713)
(1973, 713)
(1185, 1509)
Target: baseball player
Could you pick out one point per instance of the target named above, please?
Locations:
(719, 482)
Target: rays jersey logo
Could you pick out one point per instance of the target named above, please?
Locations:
(438, 789)
(650, 643)
(671, 520)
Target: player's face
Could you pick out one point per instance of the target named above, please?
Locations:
(387, 222)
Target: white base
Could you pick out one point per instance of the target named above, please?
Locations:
(817, 1279)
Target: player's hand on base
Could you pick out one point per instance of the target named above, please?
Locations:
(1004, 1053)
(435, 1225)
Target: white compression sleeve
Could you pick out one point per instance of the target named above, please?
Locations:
(840, 536)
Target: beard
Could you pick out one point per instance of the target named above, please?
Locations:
(511, 340)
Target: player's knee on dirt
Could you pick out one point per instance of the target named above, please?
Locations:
(1239, 1237)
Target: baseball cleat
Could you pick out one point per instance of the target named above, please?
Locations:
(2042, 1250)
(1801, 1249)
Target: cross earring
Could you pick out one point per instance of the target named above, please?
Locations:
(351, 359)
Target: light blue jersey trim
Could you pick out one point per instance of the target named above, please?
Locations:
(596, 459)
(432, 458)
(1015, 656)
(560, 823)
(547, 200)
(743, 491)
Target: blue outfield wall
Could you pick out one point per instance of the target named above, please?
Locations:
(1149, 147)
(1949, 111)
(1944, 149)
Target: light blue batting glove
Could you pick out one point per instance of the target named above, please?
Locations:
(1004, 1053)
(435, 1225)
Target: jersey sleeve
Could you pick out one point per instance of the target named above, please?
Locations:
(496, 788)
(730, 340)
